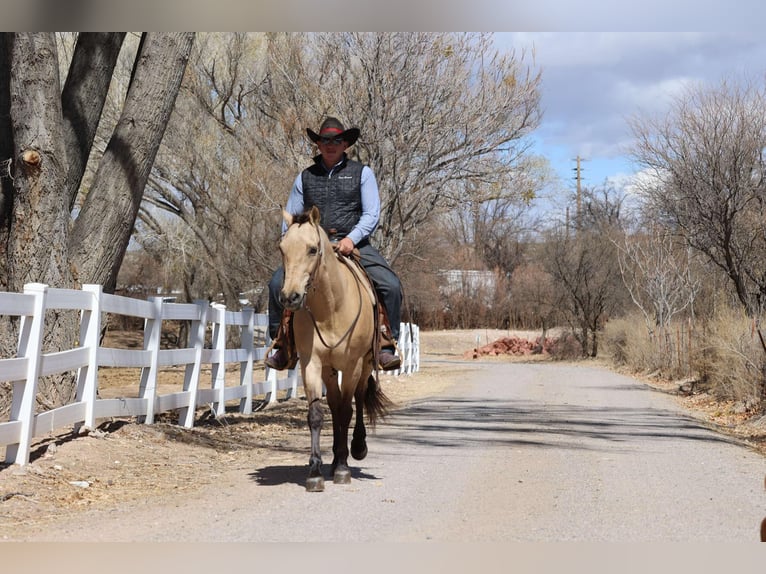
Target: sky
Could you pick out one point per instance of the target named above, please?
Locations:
(593, 81)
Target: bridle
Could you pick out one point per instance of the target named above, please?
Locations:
(312, 276)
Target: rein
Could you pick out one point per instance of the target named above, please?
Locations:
(308, 310)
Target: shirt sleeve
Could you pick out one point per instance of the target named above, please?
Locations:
(294, 201)
(370, 207)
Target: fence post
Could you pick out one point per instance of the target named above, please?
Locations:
(271, 394)
(152, 339)
(25, 392)
(193, 371)
(246, 367)
(409, 349)
(90, 334)
(416, 347)
(219, 366)
(292, 376)
(407, 330)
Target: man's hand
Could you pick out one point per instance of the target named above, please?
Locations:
(345, 246)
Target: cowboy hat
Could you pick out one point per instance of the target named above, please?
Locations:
(332, 128)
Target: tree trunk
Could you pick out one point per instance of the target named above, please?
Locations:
(6, 152)
(36, 247)
(103, 228)
(47, 135)
(37, 242)
(83, 98)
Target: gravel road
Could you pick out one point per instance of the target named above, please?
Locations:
(510, 452)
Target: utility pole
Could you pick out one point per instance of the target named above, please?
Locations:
(578, 178)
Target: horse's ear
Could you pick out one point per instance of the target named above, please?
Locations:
(314, 216)
(287, 217)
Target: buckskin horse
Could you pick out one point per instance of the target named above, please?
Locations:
(334, 325)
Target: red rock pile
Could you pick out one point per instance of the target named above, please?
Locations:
(511, 346)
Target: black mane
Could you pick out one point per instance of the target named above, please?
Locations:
(302, 217)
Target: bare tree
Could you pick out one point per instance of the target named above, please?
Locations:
(209, 177)
(584, 267)
(588, 281)
(47, 136)
(658, 276)
(706, 157)
(237, 140)
(440, 114)
(443, 118)
(534, 298)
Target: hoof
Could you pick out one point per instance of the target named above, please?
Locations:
(342, 476)
(315, 484)
(358, 452)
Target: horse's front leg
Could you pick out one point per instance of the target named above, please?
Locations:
(339, 401)
(313, 388)
(315, 480)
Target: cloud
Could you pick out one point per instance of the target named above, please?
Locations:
(592, 83)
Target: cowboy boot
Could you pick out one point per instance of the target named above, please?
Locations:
(285, 355)
(387, 359)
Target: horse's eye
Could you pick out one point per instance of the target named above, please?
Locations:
(313, 250)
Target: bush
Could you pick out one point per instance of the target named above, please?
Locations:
(725, 353)
(628, 344)
(565, 347)
(732, 358)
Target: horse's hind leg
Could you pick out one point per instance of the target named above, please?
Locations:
(341, 420)
(359, 440)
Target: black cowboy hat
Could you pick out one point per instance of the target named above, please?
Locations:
(332, 128)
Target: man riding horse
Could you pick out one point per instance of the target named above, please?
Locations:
(346, 194)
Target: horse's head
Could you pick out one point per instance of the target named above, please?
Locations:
(302, 250)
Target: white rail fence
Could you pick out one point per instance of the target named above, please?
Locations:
(32, 363)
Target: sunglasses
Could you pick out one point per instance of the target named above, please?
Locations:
(326, 141)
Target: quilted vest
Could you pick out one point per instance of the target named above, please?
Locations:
(338, 195)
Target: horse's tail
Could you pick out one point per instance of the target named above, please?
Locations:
(376, 403)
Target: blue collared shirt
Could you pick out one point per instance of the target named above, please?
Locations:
(370, 204)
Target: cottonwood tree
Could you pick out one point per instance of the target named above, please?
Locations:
(237, 139)
(437, 113)
(208, 176)
(46, 140)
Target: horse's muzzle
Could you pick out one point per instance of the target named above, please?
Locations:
(292, 301)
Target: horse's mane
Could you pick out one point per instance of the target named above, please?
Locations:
(301, 218)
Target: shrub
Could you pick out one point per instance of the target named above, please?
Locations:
(732, 358)
(629, 344)
(725, 353)
(565, 347)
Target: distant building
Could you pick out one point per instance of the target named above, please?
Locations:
(469, 283)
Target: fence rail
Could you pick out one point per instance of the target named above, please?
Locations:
(32, 363)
